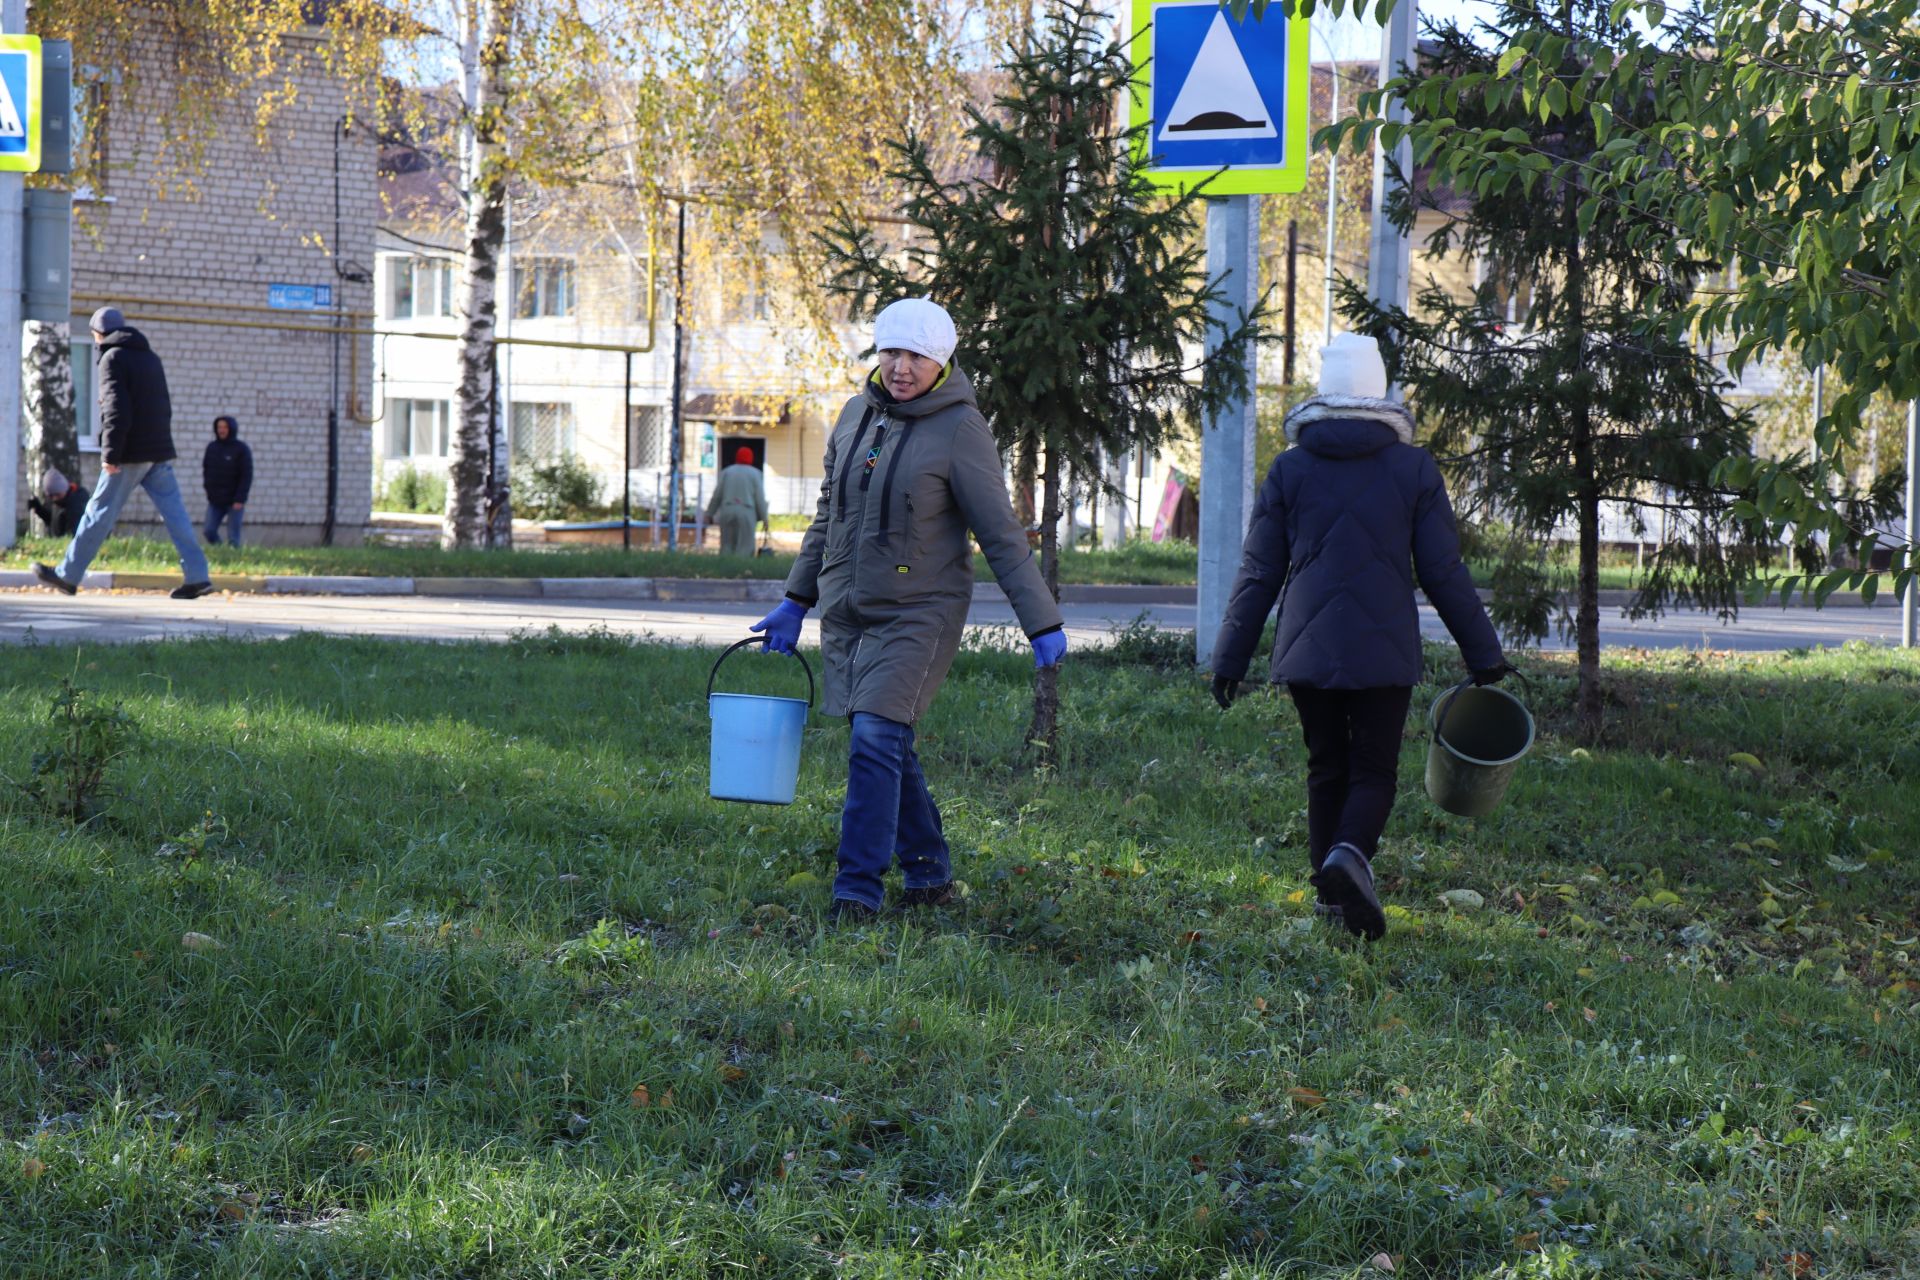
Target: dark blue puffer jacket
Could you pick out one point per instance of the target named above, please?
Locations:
(1346, 519)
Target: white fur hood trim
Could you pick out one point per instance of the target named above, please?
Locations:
(1324, 408)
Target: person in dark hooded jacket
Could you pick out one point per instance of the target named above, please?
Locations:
(226, 472)
(66, 503)
(136, 452)
(1350, 513)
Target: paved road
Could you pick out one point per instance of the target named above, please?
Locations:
(33, 616)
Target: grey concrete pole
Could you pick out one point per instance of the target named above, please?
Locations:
(1910, 615)
(1389, 252)
(1226, 447)
(1333, 191)
(13, 197)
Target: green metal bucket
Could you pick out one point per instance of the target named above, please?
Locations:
(1477, 737)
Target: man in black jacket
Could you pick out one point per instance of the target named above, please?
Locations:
(226, 472)
(136, 452)
(66, 503)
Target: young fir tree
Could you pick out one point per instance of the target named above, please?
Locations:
(1578, 404)
(1078, 289)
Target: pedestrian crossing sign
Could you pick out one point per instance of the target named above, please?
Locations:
(19, 104)
(1219, 95)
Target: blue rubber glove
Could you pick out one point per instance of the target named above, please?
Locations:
(1048, 649)
(782, 626)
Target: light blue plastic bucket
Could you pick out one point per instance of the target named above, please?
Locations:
(754, 752)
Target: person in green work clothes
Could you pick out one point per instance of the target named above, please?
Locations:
(739, 503)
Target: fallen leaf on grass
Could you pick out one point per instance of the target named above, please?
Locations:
(1462, 900)
(1588, 1014)
(359, 1153)
(1301, 1096)
(1798, 1265)
(732, 1074)
(802, 880)
(200, 942)
(1381, 1262)
(1746, 760)
(1259, 1004)
(32, 1169)
(641, 1097)
(1527, 1240)
(230, 1211)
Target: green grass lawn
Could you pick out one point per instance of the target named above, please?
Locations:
(494, 990)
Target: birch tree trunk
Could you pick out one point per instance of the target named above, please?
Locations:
(479, 512)
(51, 433)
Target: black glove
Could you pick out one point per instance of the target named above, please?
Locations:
(1225, 691)
(1491, 675)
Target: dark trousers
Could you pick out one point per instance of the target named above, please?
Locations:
(889, 816)
(1353, 755)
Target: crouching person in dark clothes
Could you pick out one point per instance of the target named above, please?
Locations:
(910, 469)
(66, 503)
(1349, 515)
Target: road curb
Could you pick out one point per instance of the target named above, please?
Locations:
(700, 590)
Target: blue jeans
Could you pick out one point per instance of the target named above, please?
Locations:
(889, 815)
(216, 514)
(104, 510)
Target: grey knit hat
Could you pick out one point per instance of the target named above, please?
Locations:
(55, 484)
(107, 320)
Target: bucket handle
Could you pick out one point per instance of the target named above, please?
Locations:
(758, 640)
(1446, 700)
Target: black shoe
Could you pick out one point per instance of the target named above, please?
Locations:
(191, 590)
(1328, 913)
(52, 579)
(938, 895)
(847, 911)
(1345, 881)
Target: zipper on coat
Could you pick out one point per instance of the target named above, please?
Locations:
(886, 489)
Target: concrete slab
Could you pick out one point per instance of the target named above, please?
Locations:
(237, 582)
(598, 589)
(514, 588)
(337, 585)
(717, 590)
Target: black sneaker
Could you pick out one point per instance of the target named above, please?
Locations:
(191, 590)
(48, 577)
(1345, 880)
(848, 911)
(938, 895)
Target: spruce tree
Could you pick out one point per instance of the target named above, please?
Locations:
(1580, 403)
(1079, 290)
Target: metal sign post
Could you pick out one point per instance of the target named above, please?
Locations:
(19, 155)
(1224, 102)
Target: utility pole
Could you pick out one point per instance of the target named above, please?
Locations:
(1910, 613)
(13, 198)
(1226, 445)
(1389, 252)
(1293, 261)
(1332, 238)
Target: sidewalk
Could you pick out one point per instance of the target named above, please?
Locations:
(685, 590)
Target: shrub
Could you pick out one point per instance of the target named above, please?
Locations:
(564, 489)
(410, 490)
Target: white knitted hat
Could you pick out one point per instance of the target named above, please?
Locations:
(916, 324)
(1350, 365)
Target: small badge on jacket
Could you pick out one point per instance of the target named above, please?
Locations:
(900, 568)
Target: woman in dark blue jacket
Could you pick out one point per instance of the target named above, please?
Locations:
(1348, 516)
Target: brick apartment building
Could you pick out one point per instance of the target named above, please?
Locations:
(194, 260)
